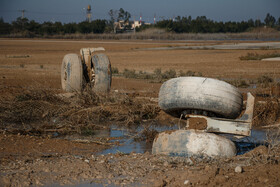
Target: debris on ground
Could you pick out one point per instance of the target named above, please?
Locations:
(72, 114)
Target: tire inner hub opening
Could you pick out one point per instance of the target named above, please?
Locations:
(198, 112)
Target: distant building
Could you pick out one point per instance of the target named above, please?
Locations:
(136, 24)
(122, 26)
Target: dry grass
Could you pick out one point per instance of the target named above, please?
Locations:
(147, 134)
(267, 112)
(273, 140)
(263, 81)
(18, 56)
(43, 110)
(158, 76)
(256, 56)
(239, 83)
(115, 70)
(29, 107)
(265, 154)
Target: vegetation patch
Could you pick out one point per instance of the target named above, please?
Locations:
(256, 56)
(158, 76)
(239, 83)
(263, 81)
(267, 112)
(18, 56)
(41, 111)
(115, 70)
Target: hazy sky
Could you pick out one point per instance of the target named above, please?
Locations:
(73, 10)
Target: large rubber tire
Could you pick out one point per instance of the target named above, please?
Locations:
(189, 143)
(71, 73)
(202, 94)
(103, 73)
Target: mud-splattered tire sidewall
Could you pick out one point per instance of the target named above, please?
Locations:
(103, 73)
(200, 93)
(71, 73)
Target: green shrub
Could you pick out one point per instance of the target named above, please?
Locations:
(243, 84)
(158, 74)
(148, 76)
(190, 73)
(240, 83)
(169, 74)
(265, 80)
(115, 70)
(129, 73)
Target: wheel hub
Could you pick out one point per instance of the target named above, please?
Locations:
(198, 112)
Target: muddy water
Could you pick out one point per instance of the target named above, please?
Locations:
(127, 144)
(245, 144)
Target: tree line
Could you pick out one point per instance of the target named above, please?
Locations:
(179, 25)
(203, 25)
(50, 28)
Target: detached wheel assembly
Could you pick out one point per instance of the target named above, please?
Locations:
(209, 106)
(87, 69)
(200, 96)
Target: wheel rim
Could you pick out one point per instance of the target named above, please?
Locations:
(198, 112)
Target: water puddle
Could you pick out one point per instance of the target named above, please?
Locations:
(127, 143)
(125, 139)
(246, 144)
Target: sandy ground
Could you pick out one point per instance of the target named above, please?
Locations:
(37, 160)
(260, 45)
(212, 63)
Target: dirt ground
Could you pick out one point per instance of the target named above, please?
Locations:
(32, 156)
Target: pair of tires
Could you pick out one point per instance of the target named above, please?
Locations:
(200, 95)
(74, 75)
